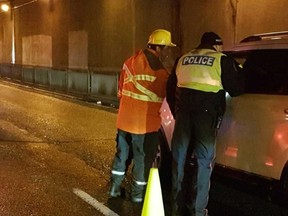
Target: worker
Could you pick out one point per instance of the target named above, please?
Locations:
(142, 88)
(196, 92)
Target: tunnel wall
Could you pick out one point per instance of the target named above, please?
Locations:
(233, 20)
(99, 35)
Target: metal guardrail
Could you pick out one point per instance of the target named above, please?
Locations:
(99, 86)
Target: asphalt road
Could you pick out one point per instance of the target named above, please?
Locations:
(239, 199)
(55, 157)
(51, 150)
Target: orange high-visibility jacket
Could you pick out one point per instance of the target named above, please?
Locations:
(142, 88)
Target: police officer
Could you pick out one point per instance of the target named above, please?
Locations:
(142, 87)
(196, 96)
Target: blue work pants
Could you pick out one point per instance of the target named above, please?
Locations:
(144, 149)
(194, 129)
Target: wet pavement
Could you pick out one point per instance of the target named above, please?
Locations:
(55, 157)
(48, 148)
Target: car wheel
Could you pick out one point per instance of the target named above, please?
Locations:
(284, 179)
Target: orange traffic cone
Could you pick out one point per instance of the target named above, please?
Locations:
(153, 202)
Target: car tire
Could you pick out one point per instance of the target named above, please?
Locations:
(284, 179)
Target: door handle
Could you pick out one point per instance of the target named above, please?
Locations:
(286, 111)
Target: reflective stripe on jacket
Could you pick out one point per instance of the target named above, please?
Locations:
(142, 86)
(200, 69)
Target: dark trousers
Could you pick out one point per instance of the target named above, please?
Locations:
(143, 148)
(194, 130)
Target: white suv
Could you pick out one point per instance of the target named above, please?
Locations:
(253, 137)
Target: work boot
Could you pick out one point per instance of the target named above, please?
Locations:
(137, 196)
(137, 192)
(115, 190)
(115, 183)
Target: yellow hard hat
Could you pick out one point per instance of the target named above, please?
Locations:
(161, 37)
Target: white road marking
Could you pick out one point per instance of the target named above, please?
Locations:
(93, 202)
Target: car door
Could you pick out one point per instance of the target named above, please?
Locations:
(253, 135)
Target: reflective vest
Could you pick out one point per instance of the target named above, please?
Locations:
(200, 69)
(142, 88)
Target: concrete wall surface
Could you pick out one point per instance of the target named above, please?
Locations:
(100, 34)
(233, 20)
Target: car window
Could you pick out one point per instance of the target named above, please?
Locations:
(266, 71)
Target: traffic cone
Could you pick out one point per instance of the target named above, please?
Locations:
(153, 202)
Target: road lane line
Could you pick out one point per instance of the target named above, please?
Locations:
(93, 202)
